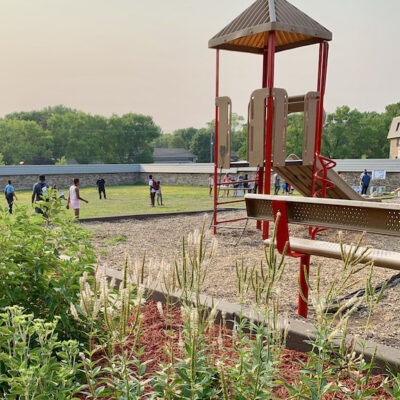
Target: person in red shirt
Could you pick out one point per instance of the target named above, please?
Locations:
(258, 180)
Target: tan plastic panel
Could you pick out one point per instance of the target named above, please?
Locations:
(361, 216)
(255, 133)
(280, 126)
(224, 105)
(381, 258)
(310, 117)
(296, 104)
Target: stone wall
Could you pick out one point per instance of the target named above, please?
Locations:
(186, 179)
(21, 182)
(391, 182)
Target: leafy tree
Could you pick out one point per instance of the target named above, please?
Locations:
(185, 138)
(295, 134)
(353, 134)
(78, 135)
(41, 117)
(131, 138)
(162, 141)
(200, 145)
(24, 141)
(177, 142)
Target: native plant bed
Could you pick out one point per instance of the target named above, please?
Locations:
(221, 363)
(67, 333)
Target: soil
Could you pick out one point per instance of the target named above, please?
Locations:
(160, 332)
(161, 240)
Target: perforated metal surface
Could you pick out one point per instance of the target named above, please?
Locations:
(324, 214)
(366, 216)
(393, 221)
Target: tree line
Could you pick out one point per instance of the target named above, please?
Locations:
(59, 133)
(55, 134)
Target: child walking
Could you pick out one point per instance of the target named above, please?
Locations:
(159, 194)
(74, 197)
(9, 192)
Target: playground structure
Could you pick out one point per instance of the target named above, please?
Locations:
(267, 27)
(362, 216)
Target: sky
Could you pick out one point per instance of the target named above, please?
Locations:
(151, 57)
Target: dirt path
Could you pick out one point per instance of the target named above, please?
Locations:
(161, 240)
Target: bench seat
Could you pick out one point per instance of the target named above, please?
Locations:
(381, 258)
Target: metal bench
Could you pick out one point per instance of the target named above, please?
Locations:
(362, 216)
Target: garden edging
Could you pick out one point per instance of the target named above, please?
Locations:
(117, 218)
(298, 332)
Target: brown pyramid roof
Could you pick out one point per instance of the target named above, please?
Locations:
(249, 31)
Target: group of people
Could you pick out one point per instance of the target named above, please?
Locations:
(155, 189)
(39, 193)
(230, 183)
(74, 197)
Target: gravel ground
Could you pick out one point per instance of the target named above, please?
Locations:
(161, 240)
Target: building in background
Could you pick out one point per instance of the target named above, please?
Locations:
(178, 155)
(394, 137)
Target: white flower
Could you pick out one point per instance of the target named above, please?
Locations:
(160, 309)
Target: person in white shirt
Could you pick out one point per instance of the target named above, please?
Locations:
(74, 197)
(153, 191)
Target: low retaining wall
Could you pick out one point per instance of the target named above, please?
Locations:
(298, 331)
(25, 176)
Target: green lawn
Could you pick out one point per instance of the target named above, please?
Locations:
(135, 199)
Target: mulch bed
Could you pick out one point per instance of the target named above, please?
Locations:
(159, 332)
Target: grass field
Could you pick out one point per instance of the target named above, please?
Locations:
(135, 199)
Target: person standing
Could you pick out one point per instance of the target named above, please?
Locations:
(9, 193)
(153, 189)
(258, 179)
(40, 193)
(101, 187)
(210, 185)
(228, 178)
(277, 184)
(159, 194)
(74, 197)
(365, 179)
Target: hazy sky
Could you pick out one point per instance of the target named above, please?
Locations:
(152, 57)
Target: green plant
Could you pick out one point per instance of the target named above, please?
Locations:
(330, 357)
(61, 161)
(111, 365)
(34, 364)
(191, 374)
(116, 240)
(41, 261)
(254, 373)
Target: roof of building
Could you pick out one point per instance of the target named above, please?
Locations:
(373, 164)
(388, 165)
(249, 31)
(172, 153)
(394, 131)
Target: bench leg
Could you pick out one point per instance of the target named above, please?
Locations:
(304, 268)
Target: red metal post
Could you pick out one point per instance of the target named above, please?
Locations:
(321, 84)
(304, 269)
(270, 121)
(216, 145)
(261, 169)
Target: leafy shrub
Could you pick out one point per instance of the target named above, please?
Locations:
(34, 364)
(41, 261)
